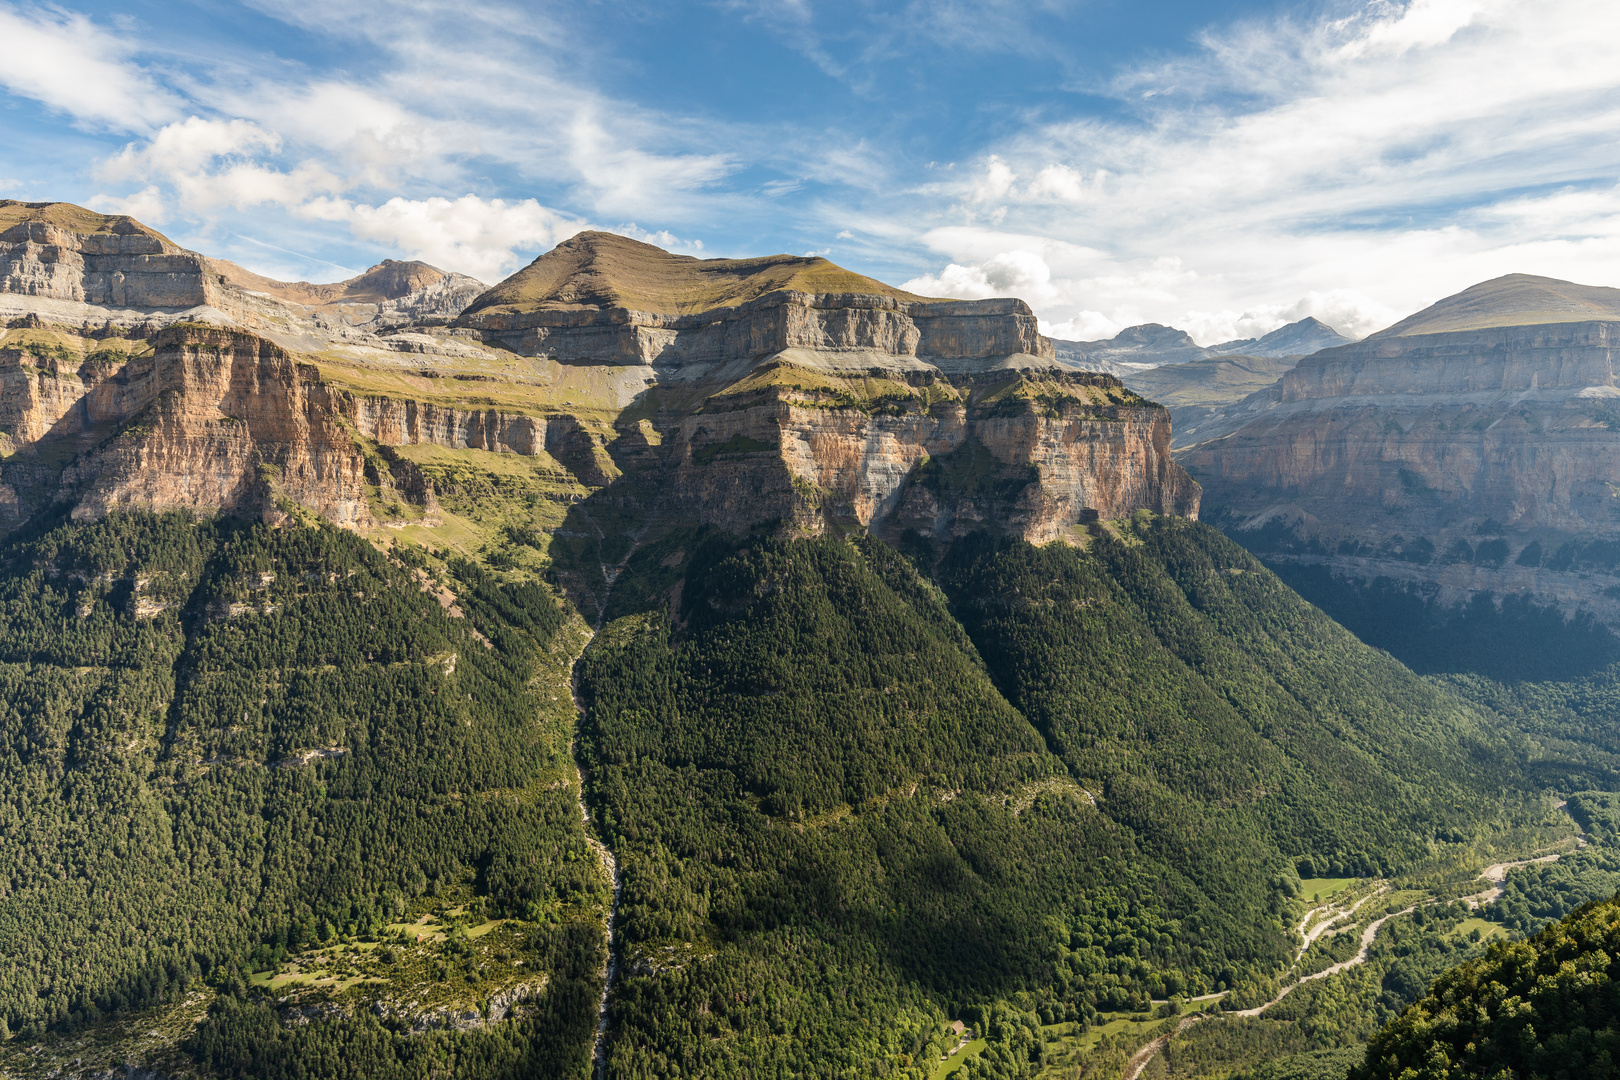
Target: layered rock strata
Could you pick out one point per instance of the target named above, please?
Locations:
(769, 391)
(947, 333)
(75, 268)
(214, 419)
(1030, 453)
(1484, 459)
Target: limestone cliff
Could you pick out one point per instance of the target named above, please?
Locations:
(1035, 453)
(603, 298)
(87, 271)
(1473, 448)
(610, 380)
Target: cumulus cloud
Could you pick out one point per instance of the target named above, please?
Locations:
(471, 235)
(1022, 274)
(210, 164)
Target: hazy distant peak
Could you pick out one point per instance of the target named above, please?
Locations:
(391, 279)
(1512, 300)
(1301, 338)
(1150, 336)
(1133, 348)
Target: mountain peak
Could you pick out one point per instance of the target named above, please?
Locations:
(605, 270)
(1512, 300)
(391, 279)
(77, 219)
(1301, 338)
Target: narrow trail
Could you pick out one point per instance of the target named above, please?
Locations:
(1139, 1060)
(1335, 915)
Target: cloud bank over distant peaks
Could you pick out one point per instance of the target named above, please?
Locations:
(1352, 162)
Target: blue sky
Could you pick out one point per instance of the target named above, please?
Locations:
(1223, 167)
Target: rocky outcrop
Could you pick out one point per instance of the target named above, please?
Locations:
(604, 299)
(776, 390)
(215, 419)
(120, 264)
(75, 268)
(948, 332)
(1034, 454)
(1483, 459)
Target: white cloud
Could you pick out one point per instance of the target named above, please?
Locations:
(211, 164)
(479, 237)
(70, 64)
(1353, 169)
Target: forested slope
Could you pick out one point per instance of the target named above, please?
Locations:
(1546, 1007)
(227, 749)
(847, 798)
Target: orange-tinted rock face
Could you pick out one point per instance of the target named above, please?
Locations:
(965, 420)
(1031, 469)
(1439, 460)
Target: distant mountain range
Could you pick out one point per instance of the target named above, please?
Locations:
(1154, 345)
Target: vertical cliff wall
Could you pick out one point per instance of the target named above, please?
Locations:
(1475, 461)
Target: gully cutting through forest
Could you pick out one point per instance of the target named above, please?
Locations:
(603, 853)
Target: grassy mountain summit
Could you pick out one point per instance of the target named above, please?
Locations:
(1511, 300)
(77, 219)
(605, 270)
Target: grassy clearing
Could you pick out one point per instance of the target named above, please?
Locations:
(1314, 890)
(501, 508)
(956, 1061)
(1487, 930)
(491, 378)
(1068, 1045)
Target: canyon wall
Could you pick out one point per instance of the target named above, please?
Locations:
(974, 456)
(137, 375)
(1477, 461)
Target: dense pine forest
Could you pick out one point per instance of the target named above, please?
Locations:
(227, 747)
(305, 806)
(854, 791)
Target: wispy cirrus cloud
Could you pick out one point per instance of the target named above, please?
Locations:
(83, 70)
(1351, 161)
(1384, 158)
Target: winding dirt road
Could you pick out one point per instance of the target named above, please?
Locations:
(1496, 874)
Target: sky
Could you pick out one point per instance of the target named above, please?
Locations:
(1223, 167)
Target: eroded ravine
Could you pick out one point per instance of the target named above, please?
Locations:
(610, 863)
(604, 854)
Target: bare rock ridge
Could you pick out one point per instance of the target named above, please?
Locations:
(1473, 448)
(1132, 349)
(779, 392)
(83, 270)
